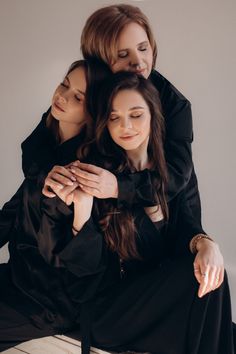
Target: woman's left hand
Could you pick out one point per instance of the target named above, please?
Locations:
(95, 180)
(208, 266)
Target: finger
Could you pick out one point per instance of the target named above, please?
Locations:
(83, 174)
(197, 272)
(213, 278)
(67, 190)
(216, 282)
(88, 167)
(220, 277)
(69, 198)
(55, 186)
(91, 191)
(47, 193)
(63, 170)
(204, 281)
(87, 183)
(56, 177)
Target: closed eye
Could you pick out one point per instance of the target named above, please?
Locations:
(142, 49)
(136, 114)
(78, 98)
(122, 54)
(63, 84)
(113, 118)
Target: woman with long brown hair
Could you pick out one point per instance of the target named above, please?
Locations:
(148, 298)
(37, 299)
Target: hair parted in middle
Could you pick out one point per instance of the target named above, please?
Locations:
(95, 72)
(118, 225)
(101, 32)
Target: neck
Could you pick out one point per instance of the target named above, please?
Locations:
(139, 157)
(68, 131)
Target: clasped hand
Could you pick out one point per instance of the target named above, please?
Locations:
(91, 179)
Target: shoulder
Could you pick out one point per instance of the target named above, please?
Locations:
(171, 98)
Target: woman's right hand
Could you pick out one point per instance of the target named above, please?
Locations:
(61, 182)
(57, 179)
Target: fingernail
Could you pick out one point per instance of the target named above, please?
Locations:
(59, 186)
(70, 183)
(73, 178)
(72, 170)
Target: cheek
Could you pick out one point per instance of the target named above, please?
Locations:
(54, 96)
(145, 127)
(118, 66)
(112, 132)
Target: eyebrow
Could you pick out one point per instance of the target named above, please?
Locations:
(82, 93)
(130, 109)
(141, 43)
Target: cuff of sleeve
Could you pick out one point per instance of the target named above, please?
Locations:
(82, 256)
(56, 207)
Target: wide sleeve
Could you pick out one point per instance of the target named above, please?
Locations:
(37, 148)
(183, 226)
(8, 216)
(82, 254)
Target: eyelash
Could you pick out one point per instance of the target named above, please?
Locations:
(66, 86)
(137, 116)
(112, 119)
(126, 55)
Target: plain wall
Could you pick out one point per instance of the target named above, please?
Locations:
(39, 39)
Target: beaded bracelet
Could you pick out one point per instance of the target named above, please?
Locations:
(194, 241)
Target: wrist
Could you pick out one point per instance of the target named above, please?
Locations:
(198, 242)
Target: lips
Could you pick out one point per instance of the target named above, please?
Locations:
(127, 137)
(58, 107)
(141, 71)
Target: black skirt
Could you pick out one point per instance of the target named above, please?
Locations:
(160, 312)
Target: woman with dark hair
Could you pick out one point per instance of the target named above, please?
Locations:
(148, 297)
(37, 299)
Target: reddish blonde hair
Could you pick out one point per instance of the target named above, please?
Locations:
(102, 29)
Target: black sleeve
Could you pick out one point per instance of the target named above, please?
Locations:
(8, 216)
(37, 148)
(81, 254)
(184, 225)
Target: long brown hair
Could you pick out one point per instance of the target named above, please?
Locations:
(95, 72)
(118, 225)
(100, 34)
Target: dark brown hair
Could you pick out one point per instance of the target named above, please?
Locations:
(100, 34)
(95, 72)
(118, 225)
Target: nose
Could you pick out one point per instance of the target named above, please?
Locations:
(135, 59)
(62, 97)
(126, 123)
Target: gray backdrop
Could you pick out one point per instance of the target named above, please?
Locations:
(196, 41)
